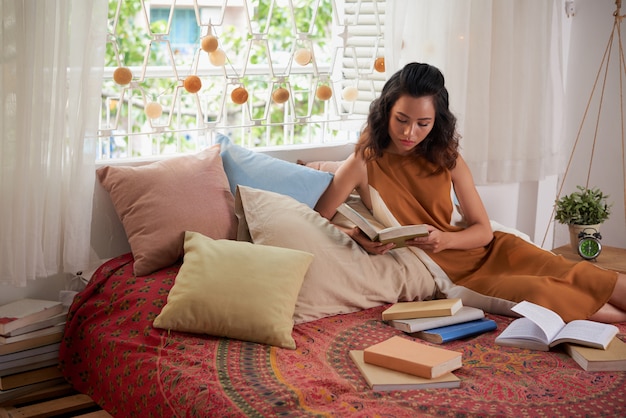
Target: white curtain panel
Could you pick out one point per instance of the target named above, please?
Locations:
(503, 63)
(51, 63)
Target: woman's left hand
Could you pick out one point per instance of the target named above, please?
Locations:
(434, 242)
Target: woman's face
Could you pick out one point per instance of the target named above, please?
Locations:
(410, 121)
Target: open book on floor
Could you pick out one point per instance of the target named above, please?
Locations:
(395, 234)
(540, 329)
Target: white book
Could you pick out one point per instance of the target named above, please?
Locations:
(44, 323)
(23, 312)
(395, 234)
(540, 329)
(33, 334)
(465, 314)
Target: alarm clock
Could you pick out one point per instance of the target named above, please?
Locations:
(589, 246)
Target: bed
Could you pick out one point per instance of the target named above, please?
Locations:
(254, 314)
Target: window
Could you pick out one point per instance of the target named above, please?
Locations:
(284, 72)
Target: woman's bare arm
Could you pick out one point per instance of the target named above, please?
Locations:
(352, 174)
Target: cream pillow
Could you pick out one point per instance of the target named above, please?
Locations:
(235, 289)
(343, 277)
(158, 202)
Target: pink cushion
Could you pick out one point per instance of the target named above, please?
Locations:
(158, 202)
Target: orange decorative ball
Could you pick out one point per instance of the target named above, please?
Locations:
(324, 93)
(239, 95)
(122, 76)
(192, 84)
(379, 64)
(280, 95)
(209, 43)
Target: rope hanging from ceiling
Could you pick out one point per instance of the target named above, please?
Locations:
(603, 72)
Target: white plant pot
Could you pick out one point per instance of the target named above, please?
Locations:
(574, 230)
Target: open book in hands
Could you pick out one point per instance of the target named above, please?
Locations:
(395, 234)
(540, 328)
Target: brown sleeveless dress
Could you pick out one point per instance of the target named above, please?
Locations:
(508, 267)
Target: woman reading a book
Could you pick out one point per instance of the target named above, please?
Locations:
(407, 156)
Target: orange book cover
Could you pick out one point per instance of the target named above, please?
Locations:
(422, 309)
(408, 356)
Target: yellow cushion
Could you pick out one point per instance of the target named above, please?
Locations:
(235, 289)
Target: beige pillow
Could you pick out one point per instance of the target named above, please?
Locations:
(235, 289)
(158, 202)
(342, 278)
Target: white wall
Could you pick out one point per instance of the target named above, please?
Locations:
(528, 206)
(591, 28)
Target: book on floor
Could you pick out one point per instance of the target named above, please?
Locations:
(16, 380)
(23, 312)
(29, 363)
(11, 357)
(35, 326)
(453, 332)
(464, 314)
(412, 357)
(19, 392)
(422, 309)
(383, 379)
(33, 334)
(613, 359)
(17, 347)
(395, 234)
(540, 329)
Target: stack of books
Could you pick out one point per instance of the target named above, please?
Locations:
(438, 321)
(30, 334)
(402, 364)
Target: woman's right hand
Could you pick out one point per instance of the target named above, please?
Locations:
(372, 247)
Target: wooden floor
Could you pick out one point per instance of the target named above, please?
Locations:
(57, 401)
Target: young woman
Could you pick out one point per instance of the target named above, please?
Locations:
(408, 155)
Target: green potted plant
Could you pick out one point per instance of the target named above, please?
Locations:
(584, 209)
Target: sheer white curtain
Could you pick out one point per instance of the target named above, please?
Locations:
(503, 63)
(51, 62)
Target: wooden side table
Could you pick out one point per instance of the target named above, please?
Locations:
(611, 258)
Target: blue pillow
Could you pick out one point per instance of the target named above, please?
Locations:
(261, 171)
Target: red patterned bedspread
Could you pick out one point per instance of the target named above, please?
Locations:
(112, 353)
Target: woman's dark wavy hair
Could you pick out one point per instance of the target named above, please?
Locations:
(416, 80)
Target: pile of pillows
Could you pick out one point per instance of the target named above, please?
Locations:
(256, 257)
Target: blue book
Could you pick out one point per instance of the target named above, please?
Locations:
(453, 332)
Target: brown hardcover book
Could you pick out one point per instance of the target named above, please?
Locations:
(395, 234)
(407, 356)
(613, 359)
(28, 378)
(22, 312)
(384, 379)
(422, 309)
